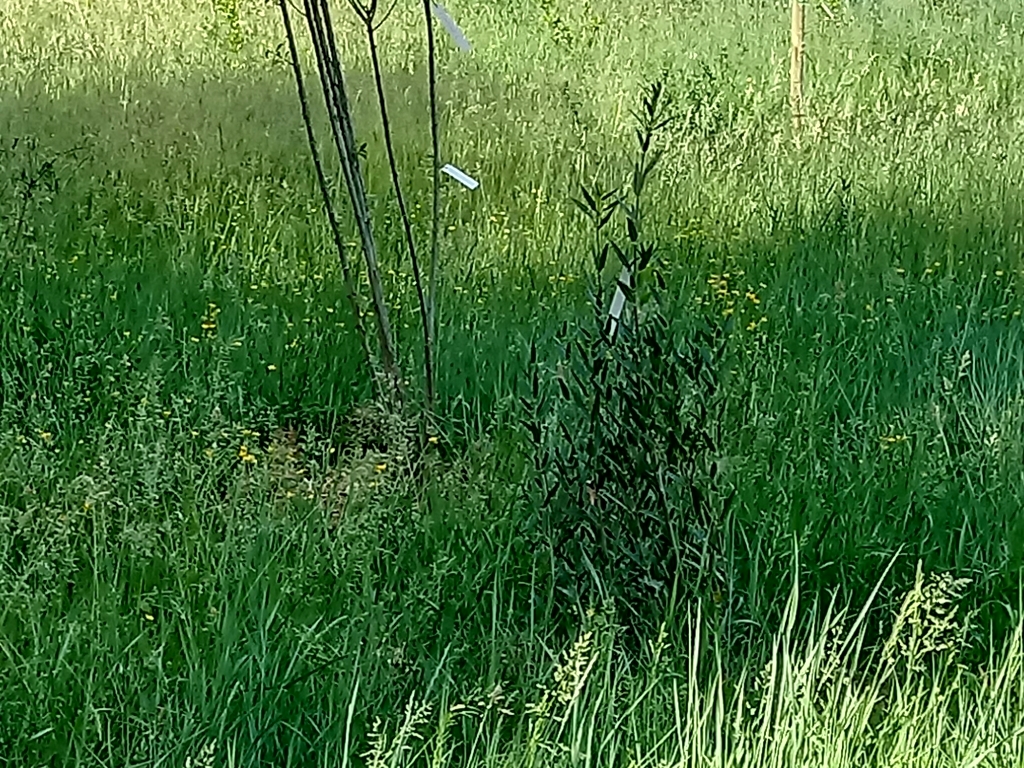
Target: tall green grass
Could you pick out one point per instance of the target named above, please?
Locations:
(177, 573)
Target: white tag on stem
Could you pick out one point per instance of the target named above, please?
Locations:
(449, 23)
(463, 178)
(619, 300)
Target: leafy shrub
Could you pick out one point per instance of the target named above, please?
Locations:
(623, 471)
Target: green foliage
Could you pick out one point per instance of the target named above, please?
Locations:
(227, 24)
(209, 554)
(573, 27)
(622, 453)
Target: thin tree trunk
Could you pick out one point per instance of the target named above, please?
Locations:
(350, 285)
(435, 220)
(319, 20)
(428, 363)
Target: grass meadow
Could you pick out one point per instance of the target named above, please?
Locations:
(212, 549)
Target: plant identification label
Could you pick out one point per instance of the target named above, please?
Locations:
(463, 178)
(449, 23)
(619, 300)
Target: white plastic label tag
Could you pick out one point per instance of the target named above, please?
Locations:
(449, 23)
(619, 300)
(463, 178)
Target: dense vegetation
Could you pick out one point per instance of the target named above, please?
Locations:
(215, 549)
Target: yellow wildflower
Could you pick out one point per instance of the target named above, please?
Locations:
(245, 456)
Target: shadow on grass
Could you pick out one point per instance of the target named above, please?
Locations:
(876, 409)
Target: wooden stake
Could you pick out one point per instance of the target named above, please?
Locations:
(796, 67)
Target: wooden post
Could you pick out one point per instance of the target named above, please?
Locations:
(796, 67)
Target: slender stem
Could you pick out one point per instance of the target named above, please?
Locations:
(428, 363)
(350, 286)
(318, 17)
(435, 214)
